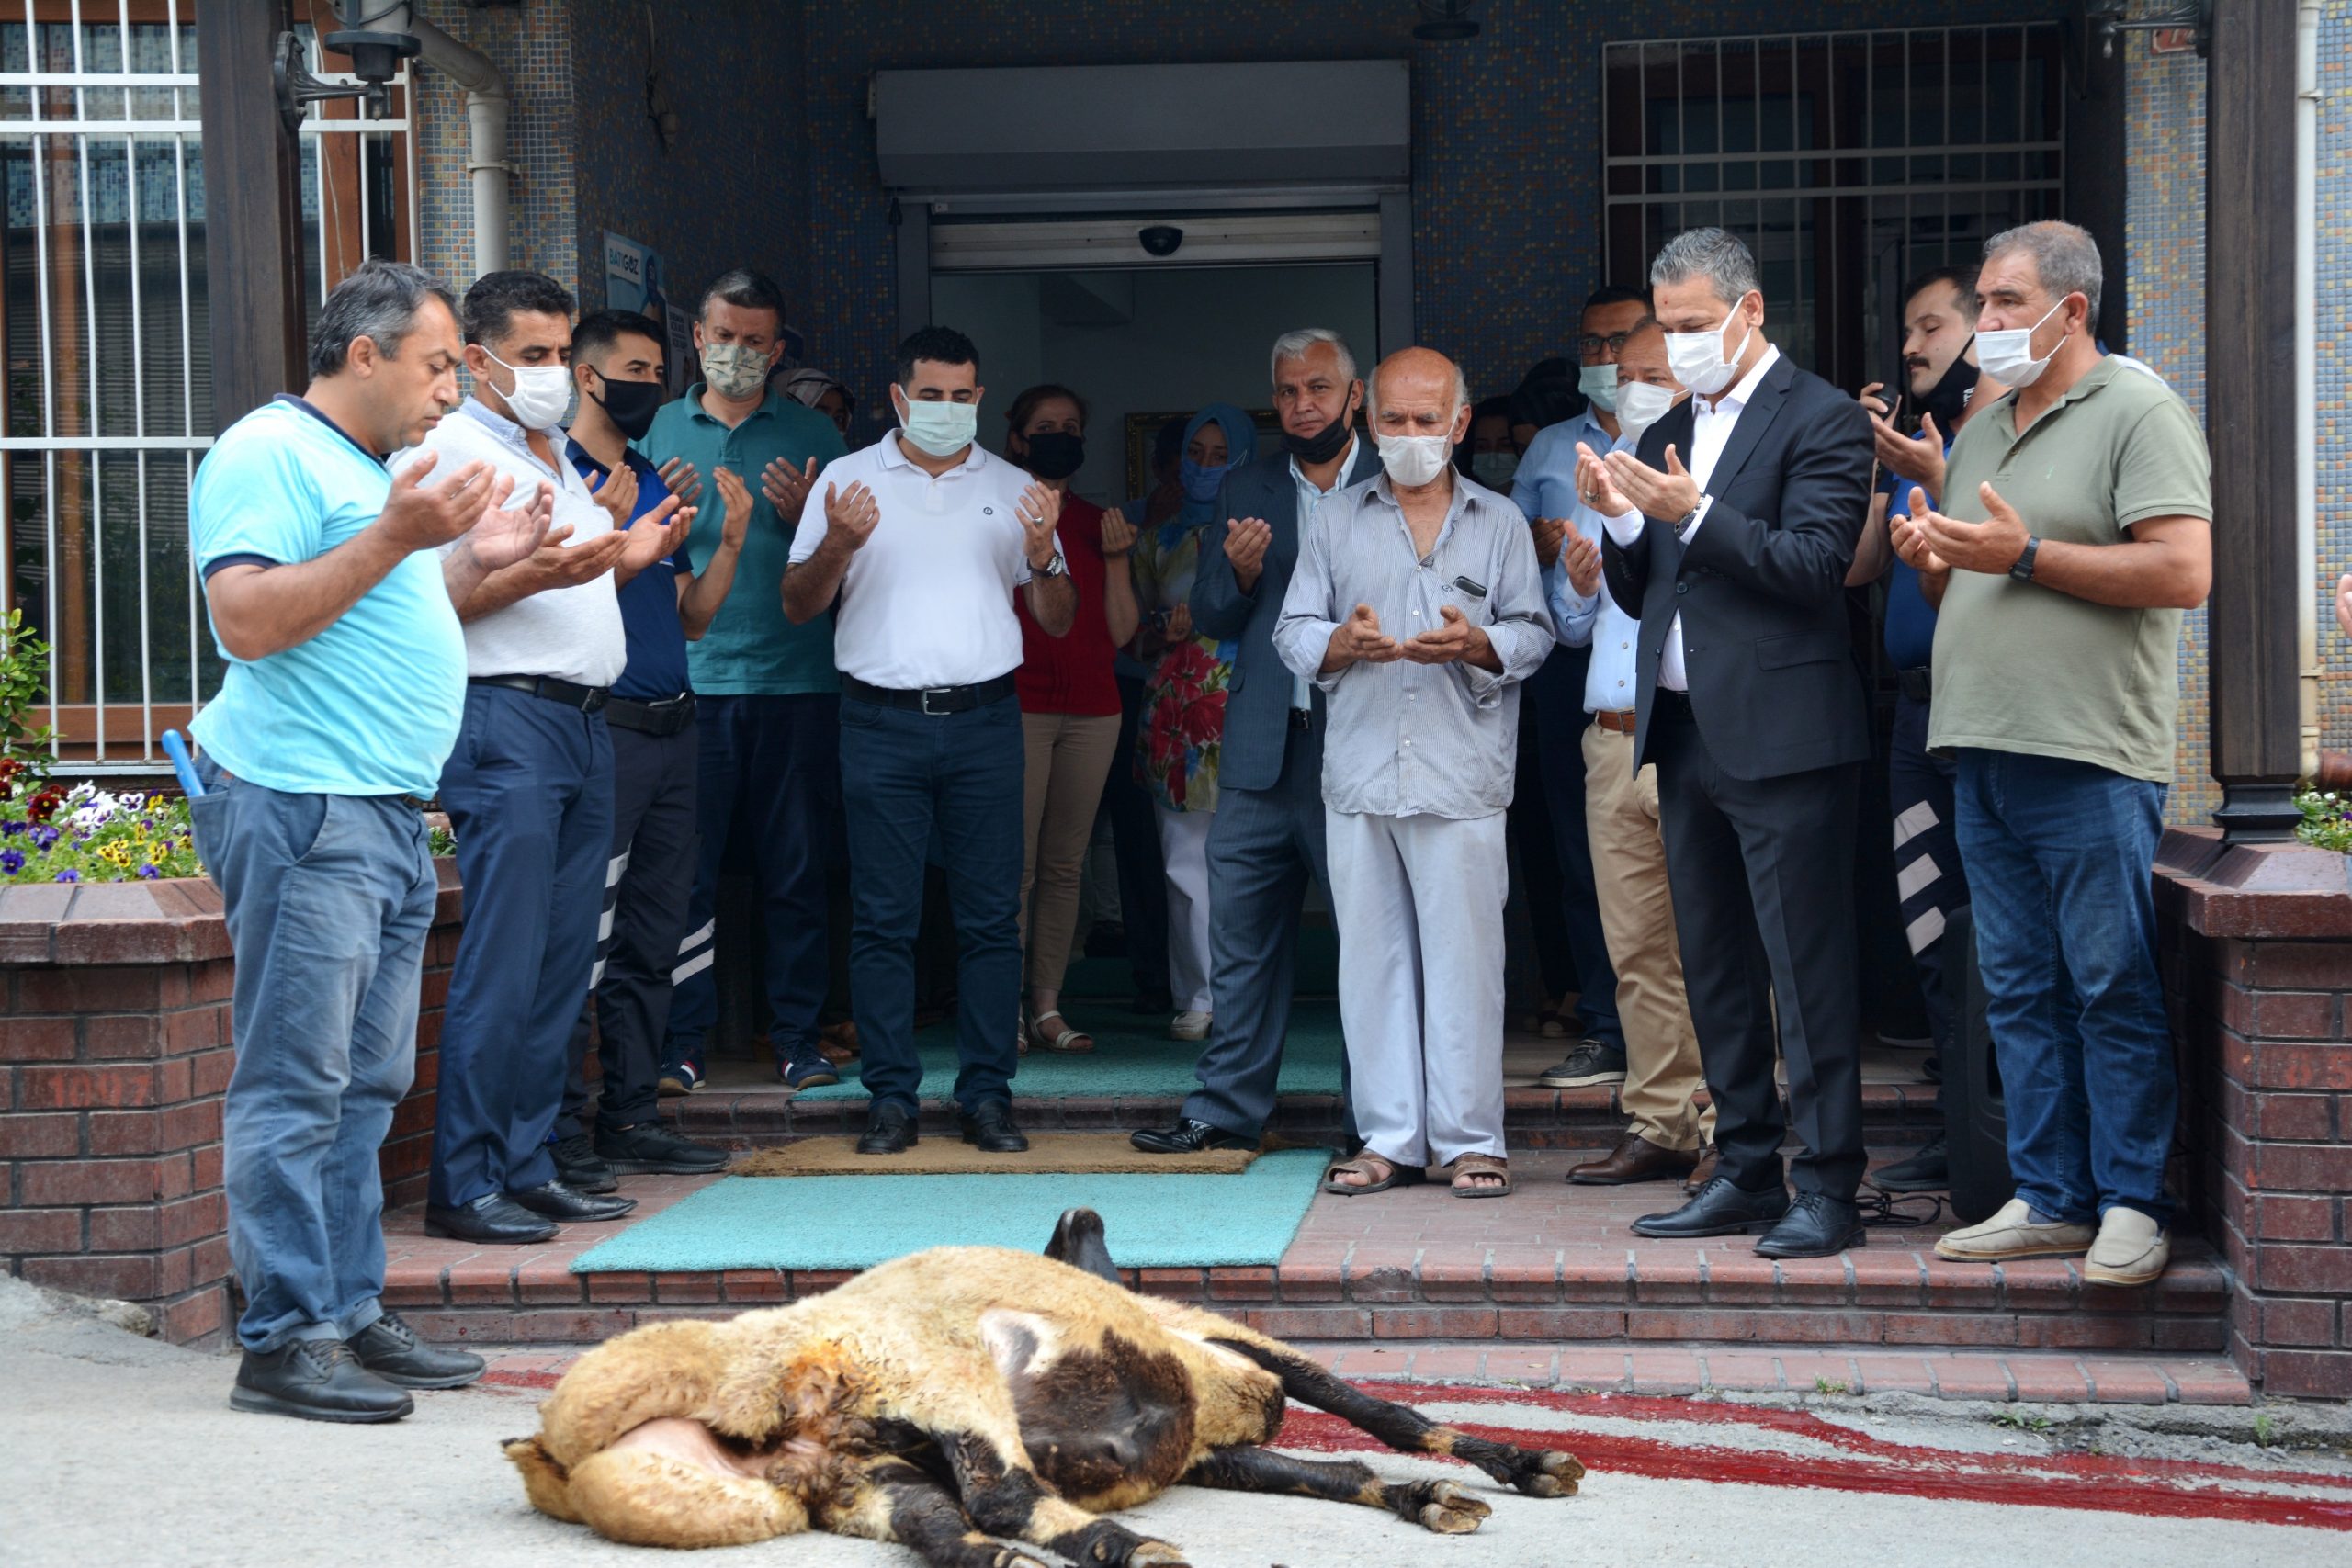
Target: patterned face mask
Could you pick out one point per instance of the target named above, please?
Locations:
(734, 371)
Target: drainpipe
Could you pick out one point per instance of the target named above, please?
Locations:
(486, 104)
(2307, 570)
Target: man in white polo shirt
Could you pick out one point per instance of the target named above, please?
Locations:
(529, 788)
(923, 538)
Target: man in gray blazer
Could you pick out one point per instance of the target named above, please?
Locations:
(1268, 838)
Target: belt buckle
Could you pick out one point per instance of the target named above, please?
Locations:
(930, 712)
(593, 700)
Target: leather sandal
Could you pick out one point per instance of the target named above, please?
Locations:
(1385, 1172)
(1060, 1039)
(1477, 1165)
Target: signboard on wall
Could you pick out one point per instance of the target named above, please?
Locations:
(633, 281)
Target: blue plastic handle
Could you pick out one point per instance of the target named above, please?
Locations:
(176, 748)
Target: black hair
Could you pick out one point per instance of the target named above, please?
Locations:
(941, 345)
(597, 332)
(497, 297)
(1963, 280)
(745, 287)
(1611, 294)
(379, 302)
(1017, 415)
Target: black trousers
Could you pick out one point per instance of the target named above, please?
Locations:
(647, 883)
(1762, 877)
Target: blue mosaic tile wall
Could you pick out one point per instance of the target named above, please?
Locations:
(531, 44)
(2165, 290)
(2335, 407)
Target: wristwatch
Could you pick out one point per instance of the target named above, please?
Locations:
(1682, 523)
(2022, 567)
(1053, 567)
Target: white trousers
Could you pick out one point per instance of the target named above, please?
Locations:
(1184, 846)
(1418, 901)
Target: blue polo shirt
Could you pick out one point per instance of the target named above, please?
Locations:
(1910, 619)
(750, 648)
(656, 670)
(370, 707)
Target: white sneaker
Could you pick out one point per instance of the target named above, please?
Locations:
(2014, 1233)
(2131, 1249)
(1189, 1026)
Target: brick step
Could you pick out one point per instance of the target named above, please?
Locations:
(757, 1115)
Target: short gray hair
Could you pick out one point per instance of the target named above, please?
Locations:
(2065, 257)
(1296, 345)
(379, 302)
(1715, 254)
(1460, 390)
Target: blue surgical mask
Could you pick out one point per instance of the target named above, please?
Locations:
(942, 429)
(1599, 384)
(1202, 482)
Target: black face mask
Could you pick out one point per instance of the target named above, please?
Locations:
(1948, 399)
(631, 405)
(1055, 455)
(1326, 443)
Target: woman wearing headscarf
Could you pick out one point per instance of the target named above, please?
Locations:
(1183, 725)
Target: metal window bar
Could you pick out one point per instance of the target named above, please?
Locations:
(87, 93)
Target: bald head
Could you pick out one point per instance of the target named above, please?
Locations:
(1419, 391)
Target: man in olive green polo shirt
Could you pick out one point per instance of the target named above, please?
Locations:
(2076, 528)
(768, 702)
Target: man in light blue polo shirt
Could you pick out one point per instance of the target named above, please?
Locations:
(767, 699)
(346, 671)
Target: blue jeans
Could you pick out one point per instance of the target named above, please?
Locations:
(904, 775)
(772, 763)
(2061, 857)
(328, 899)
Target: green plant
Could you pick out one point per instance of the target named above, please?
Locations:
(2327, 819)
(1823, 1385)
(2022, 1421)
(441, 842)
(85, 834)
(24, 682)
(2266, 1430)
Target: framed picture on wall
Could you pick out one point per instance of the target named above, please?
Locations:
(1143, 429)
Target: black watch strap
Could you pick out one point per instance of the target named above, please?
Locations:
(2022, 567)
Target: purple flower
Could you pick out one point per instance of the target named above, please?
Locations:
(68, 875)
(14, 827)
(149, 871)
(45, 837)
(11, 862)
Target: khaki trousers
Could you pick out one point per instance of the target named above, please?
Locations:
(1066, 757)
(1662, 1071)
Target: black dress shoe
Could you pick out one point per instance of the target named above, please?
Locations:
(558, 1202)
(990, 1126)
(1188, 1137)
(496, 1220)
(579, 1167)
(317, 1380)
(1817, 1225)
(650, 1148)
(890, 1130)
(391, 1349)
(1720, 1209)
(1929, 1170)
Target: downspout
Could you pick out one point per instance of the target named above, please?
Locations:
(2307, 379)
(486, 104)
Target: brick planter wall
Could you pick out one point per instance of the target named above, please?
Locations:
(2258, 968)
(114, 1052)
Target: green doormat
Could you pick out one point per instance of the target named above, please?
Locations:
(1133, 1059)
(856, 1222)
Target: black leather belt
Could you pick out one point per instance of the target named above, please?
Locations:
(1302, 718)
(936, 701)
(657, 719)
(1918, 684)
(587, 699)
(1665, 704)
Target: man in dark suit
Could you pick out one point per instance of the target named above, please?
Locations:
(1267, 841)
(1729, 534)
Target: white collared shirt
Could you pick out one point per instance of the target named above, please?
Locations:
(1711, 428)
(570, 634)
(1302, 690)
(927, 601)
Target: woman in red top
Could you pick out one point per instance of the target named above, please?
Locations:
(1069, 704)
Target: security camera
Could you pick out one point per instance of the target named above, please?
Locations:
(1160, 238)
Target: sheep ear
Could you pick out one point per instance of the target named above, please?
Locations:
(544, 1481)
(1018, 1340)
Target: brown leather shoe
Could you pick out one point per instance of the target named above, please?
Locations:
(1704, 1172)
(1635, 1158)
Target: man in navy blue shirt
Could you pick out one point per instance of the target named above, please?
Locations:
(617, 368)
(1941, 388)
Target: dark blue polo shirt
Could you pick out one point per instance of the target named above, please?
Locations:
(1910, 619)
(656, 670)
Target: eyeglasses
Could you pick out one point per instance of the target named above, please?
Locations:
(1614, 342)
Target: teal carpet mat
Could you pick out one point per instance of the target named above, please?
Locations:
(1133, 1058)
(856, 1222)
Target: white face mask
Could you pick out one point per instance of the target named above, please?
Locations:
(2006, 356)
(1599, 384)
(1639, 406)
(541, 393)
(1414, 460)
(1698, 359)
